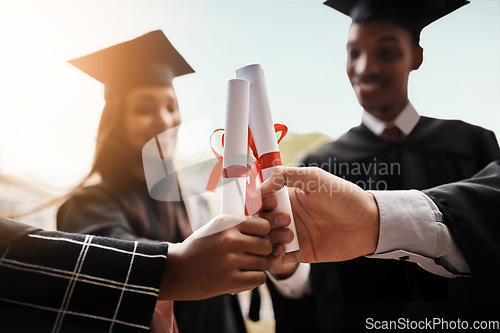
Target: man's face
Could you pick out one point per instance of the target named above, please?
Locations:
(380, 57)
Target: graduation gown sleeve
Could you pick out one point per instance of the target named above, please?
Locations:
(471, 212)
(60, 282)
(10, 230)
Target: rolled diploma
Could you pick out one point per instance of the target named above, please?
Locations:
(235, 146)
(262, 128)
(235, 153)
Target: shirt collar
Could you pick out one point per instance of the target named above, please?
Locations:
(405, 121)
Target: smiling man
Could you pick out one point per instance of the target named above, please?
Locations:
(381, 55)
(394, 148)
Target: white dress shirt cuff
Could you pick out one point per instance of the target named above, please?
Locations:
(296, 285)
(411, 229)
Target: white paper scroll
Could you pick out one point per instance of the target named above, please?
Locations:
(235, 155)
(263, 134)
(235, 146)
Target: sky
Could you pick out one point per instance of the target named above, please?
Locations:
(49, 111)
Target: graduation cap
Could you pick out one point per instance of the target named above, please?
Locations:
(147, 60)
(411, 14)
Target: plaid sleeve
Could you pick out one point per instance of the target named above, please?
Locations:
(59, 282)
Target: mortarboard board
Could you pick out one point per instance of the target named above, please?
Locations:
(147, 60)
(411, 14)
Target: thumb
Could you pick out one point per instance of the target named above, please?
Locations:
(274, 183)
(283, 176)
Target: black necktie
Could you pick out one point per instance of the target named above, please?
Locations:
(254, 311)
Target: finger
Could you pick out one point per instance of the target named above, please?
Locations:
(288, 176)
(281, 236)
(269, 203)
(256, 245)
(277, 219)
(255, 226)
(246, 280)
(279, 257)
(278, 252)
(274, 183)
(275, 260)
(253, 263)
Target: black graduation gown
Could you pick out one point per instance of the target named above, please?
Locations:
(470, 210)
(95, 210)
(434, 153)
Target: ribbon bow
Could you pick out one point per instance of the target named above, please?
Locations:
(253, 202)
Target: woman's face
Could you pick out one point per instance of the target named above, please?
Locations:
(149, 112)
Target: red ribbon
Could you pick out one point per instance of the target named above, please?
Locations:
(253, 202)
(213, 179)
(271, 159)
(282, 128)
(236, 171)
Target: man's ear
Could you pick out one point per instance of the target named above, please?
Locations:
(418, 57)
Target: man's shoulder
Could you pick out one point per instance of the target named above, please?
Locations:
(453, 137)
(451, 125)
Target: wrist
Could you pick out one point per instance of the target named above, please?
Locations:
(372, 224)
(170, 279)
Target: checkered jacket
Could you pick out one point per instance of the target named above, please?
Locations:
(60, 282)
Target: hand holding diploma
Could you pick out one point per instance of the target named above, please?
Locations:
(229, 261)
(335, 219)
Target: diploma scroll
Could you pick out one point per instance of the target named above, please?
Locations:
(235, 148)
(263, 134)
